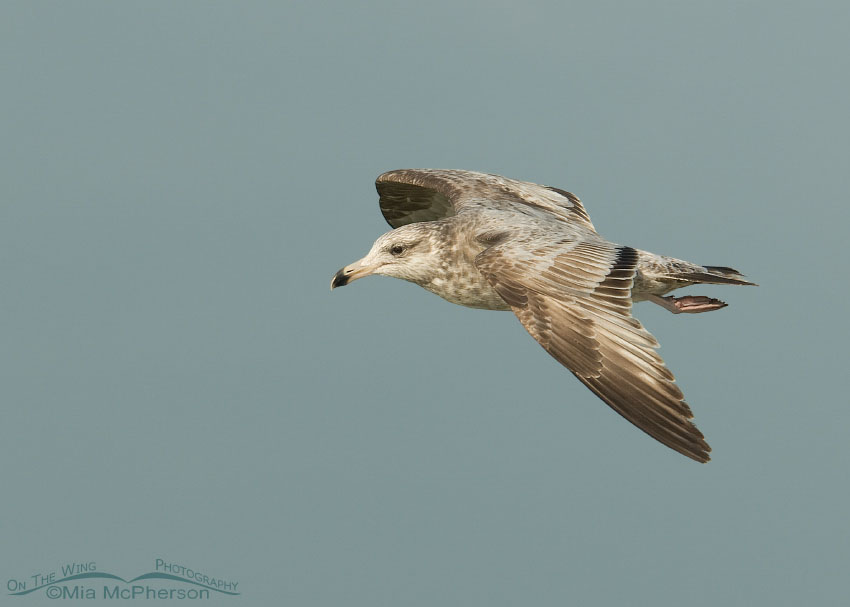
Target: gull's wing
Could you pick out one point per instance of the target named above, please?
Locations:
(575, 300)
(414, 195)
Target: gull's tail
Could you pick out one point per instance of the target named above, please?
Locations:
(716, 275)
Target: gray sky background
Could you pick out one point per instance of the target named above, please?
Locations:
(180, 180)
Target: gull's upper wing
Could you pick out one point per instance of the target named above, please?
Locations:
(414, 195)
(575, 300)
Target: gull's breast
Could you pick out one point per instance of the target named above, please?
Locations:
(466, 287)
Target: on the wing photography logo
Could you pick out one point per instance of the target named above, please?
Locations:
(83, 580)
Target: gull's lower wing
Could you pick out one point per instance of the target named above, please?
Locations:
(575, 300)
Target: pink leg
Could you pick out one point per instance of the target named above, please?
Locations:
(689, 304)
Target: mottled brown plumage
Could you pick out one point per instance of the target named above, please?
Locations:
(485, 241)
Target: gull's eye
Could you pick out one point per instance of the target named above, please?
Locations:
(396, 249)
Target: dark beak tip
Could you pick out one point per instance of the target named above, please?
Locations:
(339, 280)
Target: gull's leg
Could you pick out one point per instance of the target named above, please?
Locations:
(689, 304)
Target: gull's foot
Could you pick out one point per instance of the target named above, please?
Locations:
(689, 304)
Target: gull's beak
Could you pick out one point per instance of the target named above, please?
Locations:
(350, 273)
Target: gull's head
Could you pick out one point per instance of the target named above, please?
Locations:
(406, 252)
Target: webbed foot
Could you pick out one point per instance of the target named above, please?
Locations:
(689, 304)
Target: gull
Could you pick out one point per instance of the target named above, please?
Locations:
(486, 241)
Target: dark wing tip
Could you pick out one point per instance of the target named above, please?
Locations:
(577, 206)
(701, 455)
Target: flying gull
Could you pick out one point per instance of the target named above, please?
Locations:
(485, 241)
